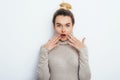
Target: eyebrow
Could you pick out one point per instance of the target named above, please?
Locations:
(60, 23)
(68, 23)
(57, 23)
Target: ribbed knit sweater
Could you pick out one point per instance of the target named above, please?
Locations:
(64, 62)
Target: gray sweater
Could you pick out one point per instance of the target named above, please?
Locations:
(64, 63)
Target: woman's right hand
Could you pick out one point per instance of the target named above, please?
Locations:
(52, 43)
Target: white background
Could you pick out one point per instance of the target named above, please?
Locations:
(26, 24)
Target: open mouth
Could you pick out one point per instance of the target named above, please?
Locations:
(63, 35)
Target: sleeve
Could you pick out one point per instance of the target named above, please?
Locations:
(84, 69)
(43, 69)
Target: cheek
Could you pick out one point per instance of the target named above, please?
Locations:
(57, 30)
(69, 30)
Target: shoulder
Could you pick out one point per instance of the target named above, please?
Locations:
(43, 49)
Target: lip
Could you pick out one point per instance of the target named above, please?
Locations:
(63, 34)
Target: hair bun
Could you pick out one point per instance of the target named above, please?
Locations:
(66, 6)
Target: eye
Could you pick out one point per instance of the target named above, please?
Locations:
(67, 25)
(58, 25)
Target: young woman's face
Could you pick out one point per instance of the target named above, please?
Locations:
(63, 26)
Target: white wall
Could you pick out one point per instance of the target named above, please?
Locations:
(26, 24)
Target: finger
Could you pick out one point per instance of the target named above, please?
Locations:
(71, 40)
(76, 41)
(70, 37)
(83, 40)
(71, 44)
(54, 41)
(55, 45)
(55, 38)
(51, 41)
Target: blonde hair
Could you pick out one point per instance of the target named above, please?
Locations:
(65, 11)
(66, 6)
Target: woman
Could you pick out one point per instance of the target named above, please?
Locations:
(64, 57)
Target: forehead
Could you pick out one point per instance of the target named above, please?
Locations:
(63, 19)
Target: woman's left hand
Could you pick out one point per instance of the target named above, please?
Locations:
(73, 41)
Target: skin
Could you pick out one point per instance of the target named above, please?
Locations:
(64, 25)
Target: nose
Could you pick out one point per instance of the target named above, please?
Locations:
(63, 30)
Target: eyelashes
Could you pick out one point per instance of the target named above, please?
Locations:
(67, 25)
(59, 25)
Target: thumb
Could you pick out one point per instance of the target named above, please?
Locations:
(83, 40)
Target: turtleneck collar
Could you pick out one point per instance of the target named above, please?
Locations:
(63, 42)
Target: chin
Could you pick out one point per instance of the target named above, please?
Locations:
(63, 39)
